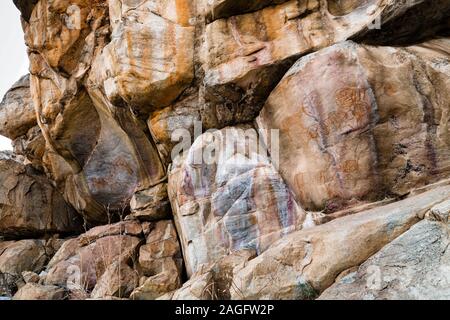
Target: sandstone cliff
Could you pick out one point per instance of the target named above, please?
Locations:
(225, 149)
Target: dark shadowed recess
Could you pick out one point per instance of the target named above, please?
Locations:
(420, 23)
(25, 7)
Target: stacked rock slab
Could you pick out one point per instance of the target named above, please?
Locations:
(113, 260)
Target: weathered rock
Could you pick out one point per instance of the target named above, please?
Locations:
(19, 256)
(109, 261)
(17, 113)
(31, 146)
(133, 68)
(226, 196)
(441, 212)
(100, 167)
(214, 281)
(80, 264)
(195, 288)
(67, 250)
(61, 31)
(162, 247)
(119, 280)
(30, 205)
(151, 204)
(33, 291)
(160, 262)
(167, 124)
(25, 7)
(378, 124)
(415, 266)
(244, 56)
(305, 263)
(157, 285)
(218, 9)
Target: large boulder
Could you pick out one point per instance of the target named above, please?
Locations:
(305, 263)
(17, 113)
(133, 68)
(119, 260)
(415, 266)
(361, 123)
(244, 56)
(226, 195)
(33, 291)
(29, 204)
(100, 165)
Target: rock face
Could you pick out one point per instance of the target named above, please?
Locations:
(32, 291)
(17, 257)
(100, 167)
(305, 263)
(228, 149)
(30, 205)
(17, 113)
(160, 262)
(232, 200)
(377, 126)
(118, 260)
(140, 72)
(244, 56)
(414, 266)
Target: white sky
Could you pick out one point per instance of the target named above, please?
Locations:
(13, 57)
